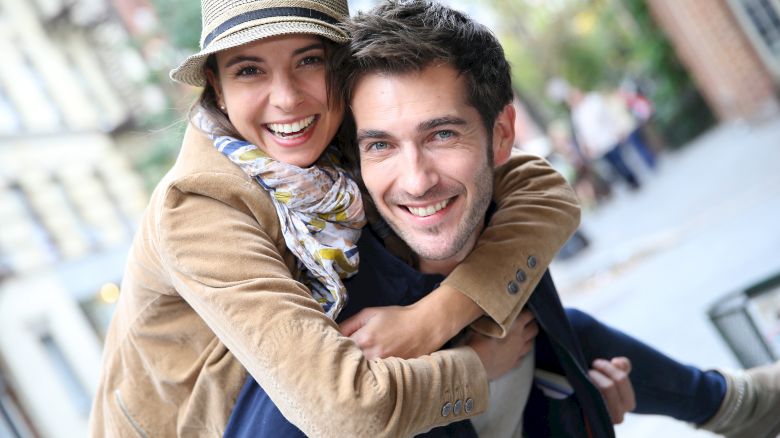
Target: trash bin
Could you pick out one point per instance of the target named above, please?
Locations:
(749, 322)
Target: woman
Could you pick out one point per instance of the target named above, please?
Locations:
(211, 289)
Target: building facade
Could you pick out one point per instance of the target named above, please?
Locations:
(731, 48)
(71, 84)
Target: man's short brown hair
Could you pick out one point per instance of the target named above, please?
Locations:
(403, 36)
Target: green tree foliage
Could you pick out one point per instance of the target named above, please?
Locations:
(596, 44)
(179, 29)
(680, 109)
(181, 19)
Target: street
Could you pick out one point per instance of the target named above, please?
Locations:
(705, 223)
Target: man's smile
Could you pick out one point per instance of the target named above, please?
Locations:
(431, 209)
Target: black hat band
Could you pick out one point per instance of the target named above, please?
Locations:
(267, 13)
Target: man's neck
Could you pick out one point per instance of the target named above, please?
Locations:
(446, 266)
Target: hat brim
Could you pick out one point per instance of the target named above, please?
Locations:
(190, 71)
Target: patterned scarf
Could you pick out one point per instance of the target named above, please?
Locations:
(320, 212)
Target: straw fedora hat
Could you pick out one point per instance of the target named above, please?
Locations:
(231, 23)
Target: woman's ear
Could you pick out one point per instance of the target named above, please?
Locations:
(213, 80)
(503, 135)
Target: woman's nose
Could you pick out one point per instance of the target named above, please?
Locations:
(285, 94)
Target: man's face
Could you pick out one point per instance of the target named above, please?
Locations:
(424, 157)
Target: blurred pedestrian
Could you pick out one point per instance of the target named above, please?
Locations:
(591, 188)
(641, 110)
(601, 127)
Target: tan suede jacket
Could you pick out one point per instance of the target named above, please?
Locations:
(209, 294)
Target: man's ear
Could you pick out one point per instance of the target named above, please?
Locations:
(503, 135)
(214, 82)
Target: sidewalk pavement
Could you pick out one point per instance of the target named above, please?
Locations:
(705, 223)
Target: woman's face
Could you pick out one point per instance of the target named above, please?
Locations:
(274, 93)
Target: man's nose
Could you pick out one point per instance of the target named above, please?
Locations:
(418, 173)
(285, 93)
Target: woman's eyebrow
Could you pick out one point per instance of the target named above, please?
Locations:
(317, 45)
(241, 58)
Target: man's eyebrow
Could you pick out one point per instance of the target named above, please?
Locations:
(241, 58)
(439, 121)
(365, 134)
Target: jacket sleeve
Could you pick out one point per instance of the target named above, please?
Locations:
(225, 264)
(537, 212)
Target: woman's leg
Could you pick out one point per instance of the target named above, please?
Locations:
(662, 385)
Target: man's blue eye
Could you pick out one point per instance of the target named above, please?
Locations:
(443, 135)
(379, 146)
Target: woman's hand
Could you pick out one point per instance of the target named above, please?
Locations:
(393, 331)
(415, 330)
(501, 355)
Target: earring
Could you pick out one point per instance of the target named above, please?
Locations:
(222, 107)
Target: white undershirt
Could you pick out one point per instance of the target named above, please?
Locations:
(508, 397)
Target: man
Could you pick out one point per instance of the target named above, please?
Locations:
(430, 94)
(424, 141)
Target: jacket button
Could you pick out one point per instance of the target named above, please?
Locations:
(520, 275)
(532, 262)
(457, 407)
(445, 410)
(469, 405)
(512, 288)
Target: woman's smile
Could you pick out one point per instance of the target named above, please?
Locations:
(291, 130)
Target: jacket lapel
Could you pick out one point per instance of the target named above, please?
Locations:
(547, 308)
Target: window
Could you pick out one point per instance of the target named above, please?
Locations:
(760, 20)
(9, 119)
(24, 240)
(766, 18)
(67, 375)
(13, 422)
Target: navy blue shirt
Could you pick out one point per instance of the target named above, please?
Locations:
(385, 280)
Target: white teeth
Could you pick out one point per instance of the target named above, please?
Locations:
(429, 210)
(285, 129)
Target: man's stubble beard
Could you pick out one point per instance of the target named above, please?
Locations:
(465, 229)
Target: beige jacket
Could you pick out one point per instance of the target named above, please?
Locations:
(208, 295)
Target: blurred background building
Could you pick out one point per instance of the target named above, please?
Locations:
(732, 50)
(73, 87)
(89, 122)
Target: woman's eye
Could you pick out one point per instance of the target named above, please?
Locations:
(312, 60)
(247, 71)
